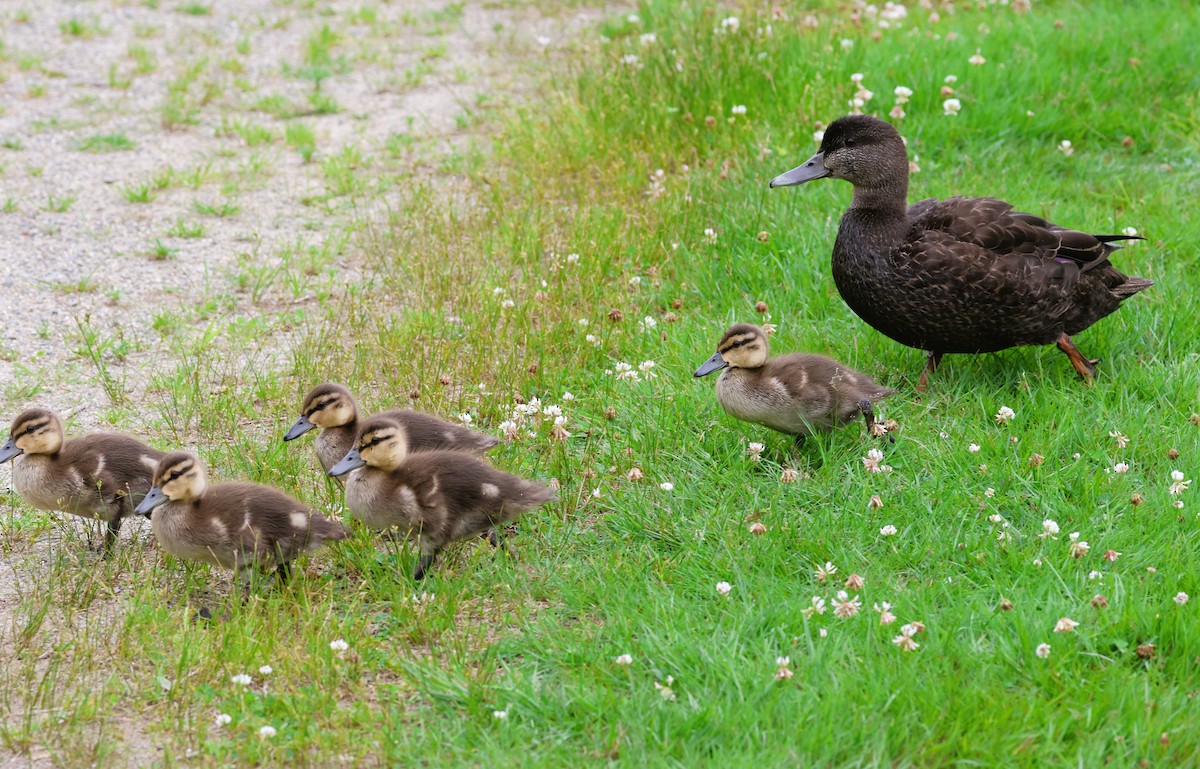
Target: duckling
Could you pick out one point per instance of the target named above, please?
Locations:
(101, 476)
(962, 275)
(797, 394)
(331, 407)
(433, 497)
(234, 525)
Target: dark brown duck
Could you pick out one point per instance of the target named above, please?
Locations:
(962, 275)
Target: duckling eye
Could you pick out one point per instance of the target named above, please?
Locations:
(174, 475)
(849, 141)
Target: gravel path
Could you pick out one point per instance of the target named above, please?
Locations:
(89, 115)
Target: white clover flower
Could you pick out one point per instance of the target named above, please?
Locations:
(666, 486)
(465, 418)
(567, 396)
(241, 679)
(1122, 440)
(1180, 598)
(1178, 485)
(1130, 231)
(888, 531)
(646, 367)
(267, 732)
(1065, 147)
(1042, 650)
(950, 79)
(648, 38)
(223, 719)
(552, 411)
(710, 235)
(973, 448)
(508, 304)
(664, 689)
(1121, 467)
(897, 113)
(543, 41)
(1004, 415)
(649, 322)
(266, 670)
(339, 645)
(1095, 575)
(724, 587)
(1065, 625)
(754, 449)
(497, 291)
(977, 59)
(871, 462)
(591, 339)
(906, 643)
(633, 18)
(825, 572)
(631, 60)
(845, 607)
(902, 93)
(818, 606)
(500, 715)
(635, 281)
(951, 106)
(624, 659)
(1049, 529)
(847, 43)
(730, 24)
(738, 109)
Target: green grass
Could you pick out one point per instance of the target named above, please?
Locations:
(114, 142)
(539, 284)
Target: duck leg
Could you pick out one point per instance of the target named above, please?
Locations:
(1085, 366)
(110, 536)
(931, 364)
(283, 572)
(425, 564)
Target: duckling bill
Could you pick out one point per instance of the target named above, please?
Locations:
(962, 275)
(101, 476)
(796, 394)
(234, 525)
(331, 407)
(434, 497)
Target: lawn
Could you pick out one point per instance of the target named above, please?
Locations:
(587, 248)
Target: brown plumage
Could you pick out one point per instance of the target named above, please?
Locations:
(435, 497)
(235, 525)
(102, 475)
(797, 394)
(332, 408)
(963, 275)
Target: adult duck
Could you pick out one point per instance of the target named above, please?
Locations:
(962, 275)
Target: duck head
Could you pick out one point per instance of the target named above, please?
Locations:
(742, 346)
(179, 477)
(381, 443)
(863, 150)
(34, 431)
(326, 405)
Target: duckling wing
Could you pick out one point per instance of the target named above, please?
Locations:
(429, 433)
(117, 467)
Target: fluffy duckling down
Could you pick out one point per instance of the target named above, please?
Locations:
(101, 476)
(332, 408)
(797, 394)
(433, 497)
(234, 525)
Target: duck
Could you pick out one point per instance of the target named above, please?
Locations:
(331, 407)
(234, 525)
(796, 394)
(433, 498)
(102, 476)
(961, 275)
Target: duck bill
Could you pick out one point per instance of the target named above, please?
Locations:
(300, 428)
(10, 450)
(813, 168)
(151, 501)
(715, 363)
(352, 461)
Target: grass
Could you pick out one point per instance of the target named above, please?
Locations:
(532, 273)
